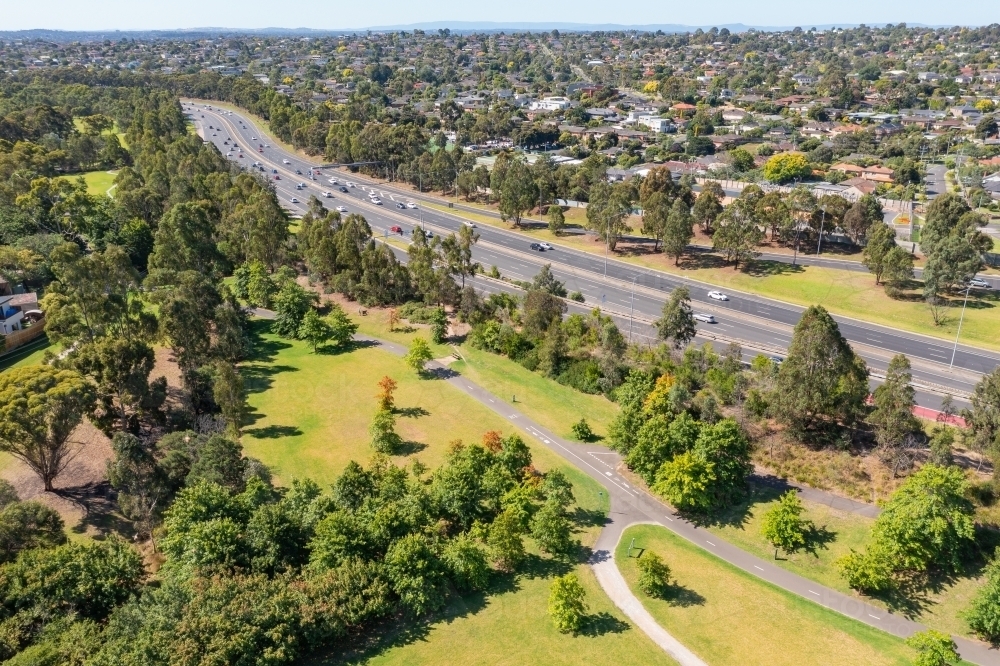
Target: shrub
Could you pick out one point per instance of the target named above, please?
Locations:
(654, 575)
(581, 430)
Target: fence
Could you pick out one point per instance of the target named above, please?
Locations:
(24, 336)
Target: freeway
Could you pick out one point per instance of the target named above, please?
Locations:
(613, 285)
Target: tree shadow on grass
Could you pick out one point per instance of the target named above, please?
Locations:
(353, 345)
(583, 518)
(738, 514)
(412, 412)
(258, 378)
(438, 373)
(817, 538)
(273, 432)
(767, 268)
(408, 448)
(601, 624)
(100, 509)
(682, 597)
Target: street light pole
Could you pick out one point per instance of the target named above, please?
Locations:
(631, 309)
(960, 320)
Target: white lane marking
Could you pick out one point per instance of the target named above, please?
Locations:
(757, 567)
(709, 543)
(816, 593)
(669, 518)
(608, 473)
(874, 616)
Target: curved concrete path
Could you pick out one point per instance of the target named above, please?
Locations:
(631, 505)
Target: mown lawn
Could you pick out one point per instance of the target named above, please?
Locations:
(310, 412)
(836, 533)
(98, 182)
(727, 616)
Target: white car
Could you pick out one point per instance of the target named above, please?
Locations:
(285, 162)
(718, 296)
(377, 201)
(979, 283)
(341, 209)
(350, 184)
(327, 195)
(410, 204)
(544, 246)
(706, 318)
(253, 138)
(334, 181)
(294, 200)
(471, 225)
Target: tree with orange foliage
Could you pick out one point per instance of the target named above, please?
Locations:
(384, 397)
(493, 441)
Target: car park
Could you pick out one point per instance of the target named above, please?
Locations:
(718, 296)
(341, 209)
(705, 318)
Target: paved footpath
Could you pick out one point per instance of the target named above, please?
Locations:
(631, 505)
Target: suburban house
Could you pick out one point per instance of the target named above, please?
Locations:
(858, 187)
(656, 124)
(877, 174)
(550, 104)
(10, 315)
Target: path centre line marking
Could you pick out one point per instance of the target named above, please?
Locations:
(709, 543)
(757, 567)
(874, 616)
(816, 593)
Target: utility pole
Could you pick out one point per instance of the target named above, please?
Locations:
(960, 320)
(822, 223)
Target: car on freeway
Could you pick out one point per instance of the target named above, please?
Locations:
(298, 187)
(267, 145)
(545, 246)
(343, 189)
(253, 138)
(333, 181)
(229, 154)
(285, 162)
(350, 184)
(294, 200)
(706, 318)
(469, 224)
(210, 127)
(298, 172)
(400, 205)
(277, 177)
(979, 283)
(396, 229)
(377, 201)
(777, 360)
(274, 171)
(328, 195)
(225, 143)
(240, 155)
(410, 204)
(260, 150)
(341, 209)
(717, 296)
(537, 247)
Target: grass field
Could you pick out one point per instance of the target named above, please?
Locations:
(838, 532)
(553, 405)
(99, 182)
(311, 412)
(30, 354)
(311, 415)
(727, 616)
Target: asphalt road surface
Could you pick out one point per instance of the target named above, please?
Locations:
(625, 291)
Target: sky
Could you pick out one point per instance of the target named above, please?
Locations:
(327, 14)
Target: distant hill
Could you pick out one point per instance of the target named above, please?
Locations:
(63, 36)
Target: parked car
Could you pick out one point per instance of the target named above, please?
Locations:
(718, 296)
(706, 318)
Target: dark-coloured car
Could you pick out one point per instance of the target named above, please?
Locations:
(401, 205)
(537, 247)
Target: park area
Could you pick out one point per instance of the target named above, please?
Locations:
(728, 617)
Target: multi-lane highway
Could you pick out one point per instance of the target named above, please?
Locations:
(634, 294)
